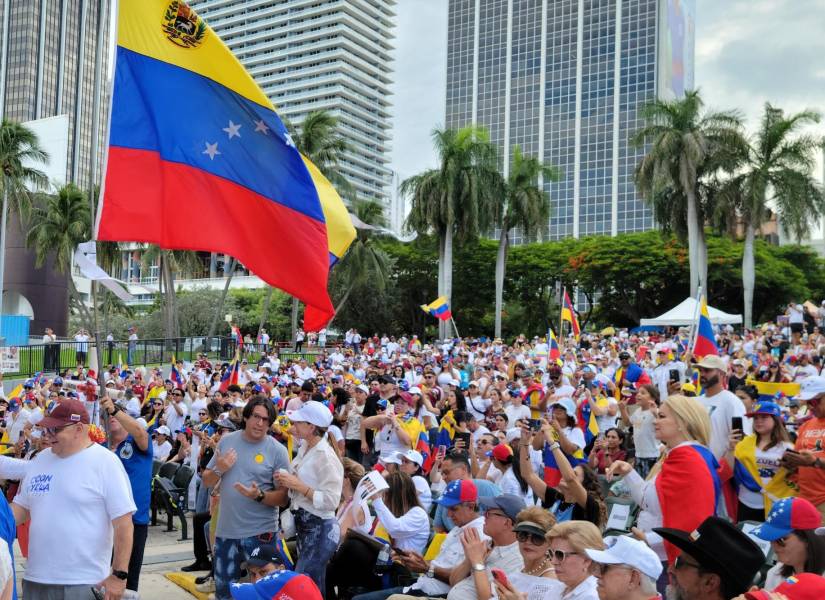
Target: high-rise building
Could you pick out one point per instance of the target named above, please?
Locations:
(566, 80)
(53, 61)
(310, 55)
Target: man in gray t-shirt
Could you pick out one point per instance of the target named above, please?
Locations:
(244, 464)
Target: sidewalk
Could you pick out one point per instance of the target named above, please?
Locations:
(164, 553)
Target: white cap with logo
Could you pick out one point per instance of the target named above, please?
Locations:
(622, 550)
(811, 387)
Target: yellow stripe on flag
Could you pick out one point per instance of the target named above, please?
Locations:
(209, 56)
(340, 232)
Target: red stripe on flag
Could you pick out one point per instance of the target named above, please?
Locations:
(181, 207)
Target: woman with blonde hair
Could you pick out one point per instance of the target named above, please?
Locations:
(683, 488)
(568, 542)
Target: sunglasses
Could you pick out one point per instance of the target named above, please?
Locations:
(560, 555)
(599, 570)
(681, 563)
(202, 413)
(533, 538)
(53, 431)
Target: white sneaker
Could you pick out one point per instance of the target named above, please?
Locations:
(207, 586)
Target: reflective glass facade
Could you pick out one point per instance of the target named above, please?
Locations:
(565, 80)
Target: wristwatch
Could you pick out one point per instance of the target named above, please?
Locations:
(261, 496)
(478, 567)
(123, 575)
(115, 410)
(431, 572)
(217, 472)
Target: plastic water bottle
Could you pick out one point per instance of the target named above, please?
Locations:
(383, 562)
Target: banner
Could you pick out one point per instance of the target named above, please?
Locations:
(10, 359)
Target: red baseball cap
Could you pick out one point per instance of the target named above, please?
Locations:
(503, 453)
(66, 412)
(804, 586)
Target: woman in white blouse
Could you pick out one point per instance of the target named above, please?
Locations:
(401, 515)
(314, 485)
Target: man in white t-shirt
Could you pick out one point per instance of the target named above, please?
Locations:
(175, 414)
(721, 404)
(78, 497)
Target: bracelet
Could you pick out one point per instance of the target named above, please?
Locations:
(308, 492)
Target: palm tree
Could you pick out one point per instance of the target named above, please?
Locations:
(19, 147)
(686, 143)
(170, 262)
(775, 174)
(523, 204)
(59, 223)
(455, 199)
(318, 139)
(364, 262)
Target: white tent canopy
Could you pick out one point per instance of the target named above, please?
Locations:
(686, 312)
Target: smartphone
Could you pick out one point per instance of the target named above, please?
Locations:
(398, 551)
(535, 424)
(442, 451)
(98, 594)
(499, 576)
(674, 374)
(463, 436)
(736, 423)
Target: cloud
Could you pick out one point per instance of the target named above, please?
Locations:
(419, 93)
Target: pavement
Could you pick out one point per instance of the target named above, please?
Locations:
(164, 553)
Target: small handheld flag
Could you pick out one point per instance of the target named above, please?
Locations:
(175, 375)
(439, 308)
(553, 351)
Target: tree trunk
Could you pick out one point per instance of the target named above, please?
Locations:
(693, 242)
(265, 310)
(501, 264)
(295, 304)
(440, 291)
(448, 279)
(213, 325)
(748, 274)
(341, 304)
(213, 265)
(702, 254)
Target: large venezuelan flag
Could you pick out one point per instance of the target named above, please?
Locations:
(198, 159)
(705, 343)
(439, 308)
(568, 314)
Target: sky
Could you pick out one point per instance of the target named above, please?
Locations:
(748, 52)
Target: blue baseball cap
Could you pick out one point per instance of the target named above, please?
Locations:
(280, 584)
(765, 408)
(787, 515)
(57, 381)
(458, 491)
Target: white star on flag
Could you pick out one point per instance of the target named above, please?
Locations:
(211, 150)
(262, 127)
(288, 139)
(232, 130)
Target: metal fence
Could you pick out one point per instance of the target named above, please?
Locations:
(67, 354)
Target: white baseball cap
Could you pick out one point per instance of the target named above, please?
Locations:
(411, 455)
(393, 459)
(163, 430)
(622, 550)
(415, 390)
(312, 412)
(811, 387)
(513, 433)
(363, 388)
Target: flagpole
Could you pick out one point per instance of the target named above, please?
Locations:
(452, 320)
(561, 314)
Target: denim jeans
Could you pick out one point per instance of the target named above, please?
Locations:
(228, 556)
(317, 542)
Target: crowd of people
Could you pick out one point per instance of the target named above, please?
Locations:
(616, 466)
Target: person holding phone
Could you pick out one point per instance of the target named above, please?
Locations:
(756, 462)
(721, 404)
(808, 455)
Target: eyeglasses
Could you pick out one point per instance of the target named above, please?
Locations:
(599, 570)
(681, 563)
(533, 538)
(560, 555)
(258, 418)
(202, 413)
(484, 442)
(53, 431)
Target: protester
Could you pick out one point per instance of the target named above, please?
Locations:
(607, 449)
(717, 561)
(808, 455)
(130, 442)
(401, 515)
(472, 578)
(627, 569)
(644, 431)
(455, 466)
(92, 546)
(279, 585)
(791, 528)
(245, 463)
(314, 480)
(684, 489)
(756, 462)
(569, 542)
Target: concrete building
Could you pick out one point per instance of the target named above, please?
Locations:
(52, 56)
(310, 55)
(565, 80)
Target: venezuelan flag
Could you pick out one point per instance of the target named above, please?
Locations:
(175, 375)
(198, 159)
(552, 473)
(439, 308)
(553, 350)
(587, 419)
(705, 343)
(769, 390)
(569, 314)
(230, 377)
